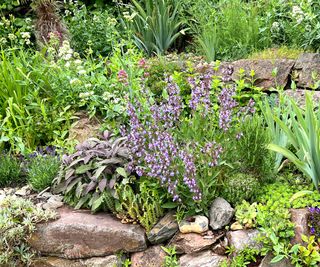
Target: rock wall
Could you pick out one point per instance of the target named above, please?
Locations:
(279, 73)
(81, 239)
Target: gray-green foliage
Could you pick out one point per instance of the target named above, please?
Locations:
(10, 170)
(41, 171)
(156, 24)
(303, 135)
(18, 218)
(95, 167)
(239, 187)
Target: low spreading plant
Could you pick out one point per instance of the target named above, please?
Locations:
(18, 218)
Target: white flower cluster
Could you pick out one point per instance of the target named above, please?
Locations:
(65, 51)
(275, 27)
(298, 14)
(26, 37)
(86, 95)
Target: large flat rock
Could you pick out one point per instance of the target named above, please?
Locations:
(79, 234)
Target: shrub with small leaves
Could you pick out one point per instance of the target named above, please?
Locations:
(10, 170)
(41, 171)
(94, 168)
(240, 187)
(18, 218)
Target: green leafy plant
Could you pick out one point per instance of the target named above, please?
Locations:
(156, 24)
(41, 171)
(308, 255)
(18, 218)
(304, 137)
(89, 175)
(95, 30)
(10, 170)
(246, 214)
(143, 207)
(171, 257)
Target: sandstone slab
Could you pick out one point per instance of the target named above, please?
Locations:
(191, 242)
(164, 229)
(201, 259)
(263, 69)
(152, 257)
(109, 261)
(79, 234)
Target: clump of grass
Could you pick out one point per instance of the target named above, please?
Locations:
(41, 171)
(10, 171)
(277, 53)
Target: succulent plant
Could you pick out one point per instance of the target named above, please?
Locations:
(92, 171)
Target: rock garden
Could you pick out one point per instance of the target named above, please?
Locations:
(159, 133)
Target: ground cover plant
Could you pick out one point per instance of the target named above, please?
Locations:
(175, 130)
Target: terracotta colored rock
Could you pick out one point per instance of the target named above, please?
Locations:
(109, 261)
(221, 213)
(307, 64)
(79, 234)
(300, 218)
(201, 259)
(196, 224)
(266, 262)
(263, 71)
(152, 257)
(164, 229)
(189, 243)
(243, 238)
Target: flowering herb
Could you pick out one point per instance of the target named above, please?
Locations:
(227, 104)
(314, 221)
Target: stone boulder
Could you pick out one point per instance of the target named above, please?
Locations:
(221, 213)
(189, 243)
(164, 229)
(305, 66)
(201, 259)
(263, 69)
(300, 218)
(109, 261)
(152, 257)
(242, 239)
(195, 224)
(79, 234)
(266, 262)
